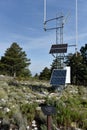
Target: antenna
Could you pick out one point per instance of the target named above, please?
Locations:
(66, 17)
(76, 28)
(60, 21)
(45, 15)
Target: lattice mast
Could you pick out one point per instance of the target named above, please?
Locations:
(59, 20)
(59, 38)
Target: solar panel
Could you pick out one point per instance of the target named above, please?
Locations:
(58, 48)
(58, 77)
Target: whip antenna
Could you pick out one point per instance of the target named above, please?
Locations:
(76, 28)
(45, 15)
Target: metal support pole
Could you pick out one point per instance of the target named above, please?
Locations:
(76, 27)
(49, 122)
(44, 11)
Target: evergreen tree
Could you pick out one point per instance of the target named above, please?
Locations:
(83, 51)
(55, 64)
(36, 76)
(78, 68)
(45, 74)
(75, 62)
(14, 62)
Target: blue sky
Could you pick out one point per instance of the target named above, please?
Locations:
(21, 21)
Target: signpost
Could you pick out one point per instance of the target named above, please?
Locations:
(48, 110)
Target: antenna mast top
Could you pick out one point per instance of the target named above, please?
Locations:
(60, 21)
(59, 25)
(76, 28)
(44, 11)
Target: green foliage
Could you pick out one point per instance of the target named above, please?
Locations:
(83, 51)
(36, 76)
(14, 62)
(1, 114)
(45, 74)
(75, 63)
(19, 120)
(71, 104)
(28, 110)
(69, 110)
(43, 127)
(2, 94)
(85, 124)
(78, 64)
(55, 64)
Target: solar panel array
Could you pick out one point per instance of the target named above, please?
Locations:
(58, 48)
(58, 77)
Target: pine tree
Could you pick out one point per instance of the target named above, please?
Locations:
(14, 62)
(83, 51)
(45, 74)
(78, 68)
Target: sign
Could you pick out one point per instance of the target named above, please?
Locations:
(48, 110)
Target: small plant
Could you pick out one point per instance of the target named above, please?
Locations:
(43, 127)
